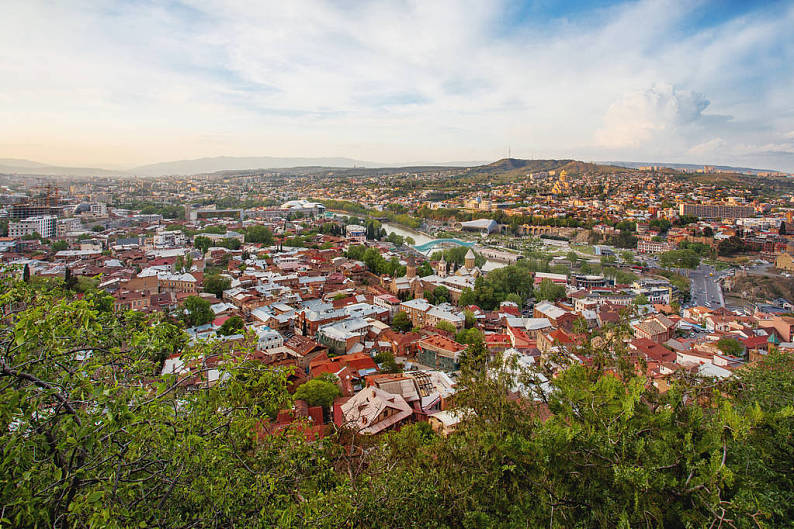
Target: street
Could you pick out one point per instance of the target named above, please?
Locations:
(705, 289)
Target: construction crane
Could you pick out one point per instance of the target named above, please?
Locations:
(51, 197)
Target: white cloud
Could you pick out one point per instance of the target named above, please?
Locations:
(101, 81)
(642, 116)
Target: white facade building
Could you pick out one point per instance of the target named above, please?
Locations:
(43, 225)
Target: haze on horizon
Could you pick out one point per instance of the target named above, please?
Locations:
(123, 83)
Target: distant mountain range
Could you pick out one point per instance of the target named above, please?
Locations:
(231, 163)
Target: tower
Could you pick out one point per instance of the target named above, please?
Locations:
(441, 267)
(468, 260)
(410, 268)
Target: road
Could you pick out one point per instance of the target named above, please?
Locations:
(705, 289)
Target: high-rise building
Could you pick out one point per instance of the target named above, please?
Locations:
(716, 211)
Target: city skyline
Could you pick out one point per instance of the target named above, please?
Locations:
(120, 84)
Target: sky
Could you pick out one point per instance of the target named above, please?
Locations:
(123, 83)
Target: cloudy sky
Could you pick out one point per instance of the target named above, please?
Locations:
(121, 83)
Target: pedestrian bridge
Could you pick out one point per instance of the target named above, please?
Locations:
(439, 242)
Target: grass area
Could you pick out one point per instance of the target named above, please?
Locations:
(584, 248)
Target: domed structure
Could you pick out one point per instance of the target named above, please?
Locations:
(83, 207)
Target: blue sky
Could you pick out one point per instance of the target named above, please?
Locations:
(125, 83)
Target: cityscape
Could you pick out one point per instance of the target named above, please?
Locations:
(548, 339)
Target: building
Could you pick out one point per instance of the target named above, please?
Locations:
(651, 246)
(356, 233)
(785, 261)
(64, 226)
(480, 225)
(716, 211)
(44, 225)
(372, 411)
(440, 352)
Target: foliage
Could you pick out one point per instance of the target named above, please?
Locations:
(202, 243)
(196, 311)
(233, 325)
(386, 362)
(259, 234)
(446, 326)
(91, 438)
(424, 269)
(548, 290)
(401, 322)
(439, 294)
(730, 346)
(216, 284)
(57, 246)
(680, 259)
(317, 392)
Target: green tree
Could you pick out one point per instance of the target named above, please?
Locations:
(259, 234)
(318, 392)
(401, 322)
(233, 325)
(446, 326)
(549, 291)
(58, 246)
(641, 299)
(202, 243)
(730, 346)
(386, 362)
(196, 311)
(216, 284)
(679, 259)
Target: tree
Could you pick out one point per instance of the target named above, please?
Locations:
(58, 246)
(26, 273)
(259, 234)
(641, 299)
(216, 284)
(730, 346)
(69, 280)
(444, 325)
(470, 319)
(115, 438)
(515, 298)
(680, 259)
(424, 269)
(231, 243)
(386, 362)
(549, 291)
(196, 311)
(318, 392)
(401, 322)
(233, 325)
(202, 243)
(440, 295)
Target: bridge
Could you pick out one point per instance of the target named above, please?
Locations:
(438, 242)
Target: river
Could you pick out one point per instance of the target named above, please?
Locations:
(421, 238)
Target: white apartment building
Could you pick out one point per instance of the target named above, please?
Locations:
(43, 225)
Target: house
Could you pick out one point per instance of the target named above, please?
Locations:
(658, 329)
(445, 422)
(371, 411)
(784, 325)
(440, 352)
